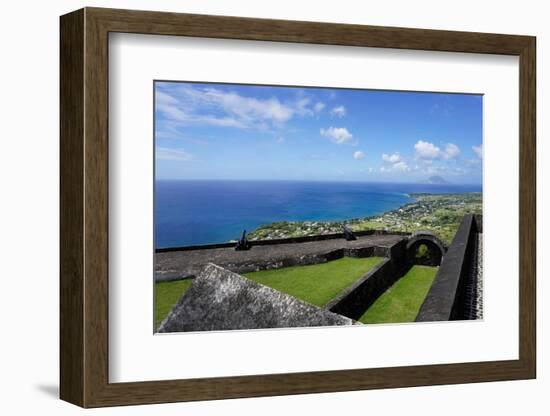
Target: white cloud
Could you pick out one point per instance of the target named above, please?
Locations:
(478, 151)
(169, 130)
(188, 104)
(338, 135)
(451, 151)
(161, 98)
(248, 108)
(394, 158)
(394, 163)
(168, 105)
(302, 107)
(165, 153)
(318, 107)
(219, 121)
(396, 167)
(472, 162)
(428, 151)
(339, 111)
(401, 166)
(358, 155)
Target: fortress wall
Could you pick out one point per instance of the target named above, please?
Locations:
(479, 222)
(310, 259)
(278, 241)
(445, 299)
(356, 299)
(177, 265)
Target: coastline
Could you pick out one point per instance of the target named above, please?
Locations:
(194, 213)
(439, 213)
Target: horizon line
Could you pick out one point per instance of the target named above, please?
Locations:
(313, 180)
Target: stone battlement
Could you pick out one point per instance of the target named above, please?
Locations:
(176, 265)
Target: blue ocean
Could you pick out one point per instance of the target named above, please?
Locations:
(207, 212)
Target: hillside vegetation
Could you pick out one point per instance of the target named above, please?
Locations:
(439, 213)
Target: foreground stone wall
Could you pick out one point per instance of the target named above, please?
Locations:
(447, 296)
(221, 300)
(356, 299)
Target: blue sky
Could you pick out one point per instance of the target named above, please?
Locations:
(226, 131)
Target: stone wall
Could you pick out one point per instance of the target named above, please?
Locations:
(306, 260)
(445, 299)
(278, 241)
(176, 265)
(355, 300)
(479, 223)
(221, 300)
(436, 249)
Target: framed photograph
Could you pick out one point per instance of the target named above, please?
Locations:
(254, 207)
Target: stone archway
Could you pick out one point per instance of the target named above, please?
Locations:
(434, 251)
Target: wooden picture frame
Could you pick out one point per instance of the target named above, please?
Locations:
(84, 207)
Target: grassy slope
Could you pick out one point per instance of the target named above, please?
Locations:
(167, 295)
(402, 301)
(319, 283)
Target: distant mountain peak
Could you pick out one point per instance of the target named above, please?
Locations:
(437, 180)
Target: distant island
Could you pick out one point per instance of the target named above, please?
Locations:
(437, 180)
(439, 213)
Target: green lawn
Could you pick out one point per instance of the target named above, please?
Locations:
(402, 301)
(319, 283)
(167, 295)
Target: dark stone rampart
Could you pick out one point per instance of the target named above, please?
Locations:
(177, 265)
(436, 249)
(278, 241)
(444, 301)
(355, 300)
(479, 223)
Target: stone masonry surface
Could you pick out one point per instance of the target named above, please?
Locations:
(479, 282)
(220, 300)
(176, 265)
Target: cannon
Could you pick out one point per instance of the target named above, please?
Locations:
(243, 243)
(348, 234)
